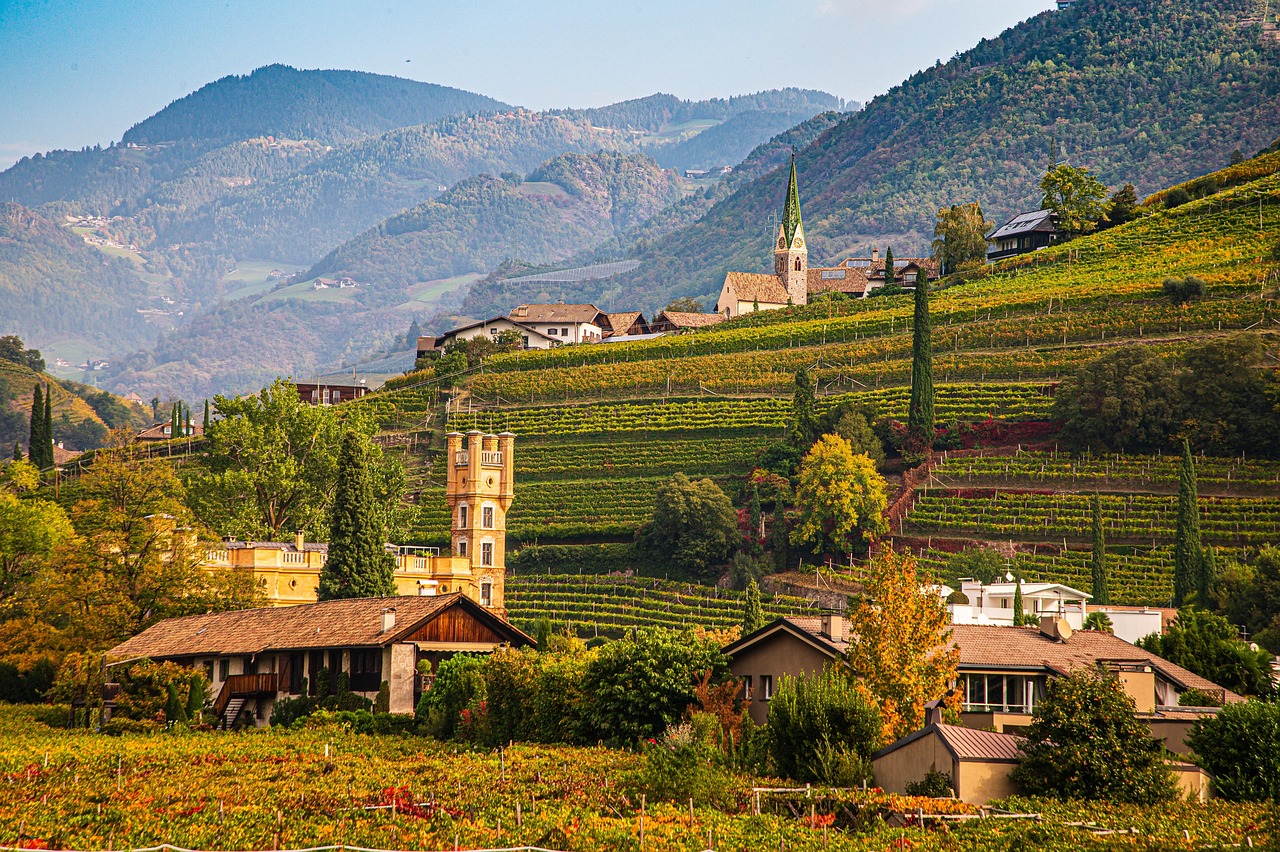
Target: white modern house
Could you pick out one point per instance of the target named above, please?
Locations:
(993, 604)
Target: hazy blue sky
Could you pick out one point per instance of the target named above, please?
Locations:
(76, 72)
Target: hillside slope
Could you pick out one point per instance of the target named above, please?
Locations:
(1145, 91)
(571, 203)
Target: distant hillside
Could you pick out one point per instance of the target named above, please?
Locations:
(571, 203)
(729, 143)
(53, 286)
(660, 112)
(330, 106)
(82, 415)
(355, 186)
(1151, 92)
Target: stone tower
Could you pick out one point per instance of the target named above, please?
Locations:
(479, 490)
(790, 253)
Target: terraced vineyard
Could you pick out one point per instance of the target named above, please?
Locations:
(591, 605)
(1129, 519)
(1108, 473)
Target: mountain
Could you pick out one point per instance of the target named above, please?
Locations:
(332, 107)
(663, 113)
(564, 206)
(328, 107)
(1151, 92)
(55, 286)
(410, 265)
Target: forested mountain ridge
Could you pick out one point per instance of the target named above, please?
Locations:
(330, 106)
(1144, 91)
(564, 206)
(52, 285)
(658, 111)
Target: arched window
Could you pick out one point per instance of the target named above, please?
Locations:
(797, 264)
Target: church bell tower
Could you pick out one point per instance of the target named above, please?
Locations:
(479, 489)
(790, 253)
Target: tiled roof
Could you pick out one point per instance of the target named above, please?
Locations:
(156, 432)
(556, 313)
(841, 279)
(682, 319)
(288, 547)
(813, 626)
(1007, 647)
(756, 287)
(621, 322)
(355, 622)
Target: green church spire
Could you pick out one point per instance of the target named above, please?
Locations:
(791, 212)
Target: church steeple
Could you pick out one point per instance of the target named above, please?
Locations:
(791, 255)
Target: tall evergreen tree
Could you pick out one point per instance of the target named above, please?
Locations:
(358, 565)
(1017, 600)
(17, 451)
(34, 439)
(780, 535)
(753, 611)
(1207, 578)
(1101, 578)
(889, 272)
(804, 419)
(1187, 552)
(46, 444)
(206, 417)
(920, 417)
(754, 517)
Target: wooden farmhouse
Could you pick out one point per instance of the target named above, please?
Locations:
(255, 657)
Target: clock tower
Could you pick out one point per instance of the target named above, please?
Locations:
(790, 252)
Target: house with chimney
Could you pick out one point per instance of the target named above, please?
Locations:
(253, 658)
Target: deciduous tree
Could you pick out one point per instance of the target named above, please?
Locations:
(1208, 644)
(960, 236)
(900, 643)
(694, 530)
(1076, 196)
(841, 498)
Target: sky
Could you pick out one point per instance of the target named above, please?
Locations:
(76, 73)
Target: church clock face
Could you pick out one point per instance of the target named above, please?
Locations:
(782, 244)
(799, 243)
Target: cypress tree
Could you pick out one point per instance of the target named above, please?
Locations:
(1101, 580)
(358, 564)
(1187, 552)
(37, 426)
(46, 445)
(753, 612)
(1207, 578)
(804, 423)
(779, 534)
(754, 514)
(889, 277)
(920, 419)
(206, 416)
(17, 451)
(1017, 600)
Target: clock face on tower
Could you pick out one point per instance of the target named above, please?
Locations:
(799, 243)
(782, 243)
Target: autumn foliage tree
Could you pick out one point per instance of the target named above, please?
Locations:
(900, 643)
(841, 498)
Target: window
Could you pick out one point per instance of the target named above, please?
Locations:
(486, 553)
(564, 332)
(366, 670)
(462, 547)
(746, 687)
(224, 669)
(486, 594)
(462, 516)
(766, 687)
(1002, 693)
(553, 332)
(486, 517)
(797, 264)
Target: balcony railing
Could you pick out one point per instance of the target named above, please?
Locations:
(462, 458)
(491, 458)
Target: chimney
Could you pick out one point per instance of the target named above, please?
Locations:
(831, 626)
(933, 712)
(388, 619)
(1055, 628)
(299, 539)
(875, 254)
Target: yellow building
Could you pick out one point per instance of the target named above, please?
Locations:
(479, 490)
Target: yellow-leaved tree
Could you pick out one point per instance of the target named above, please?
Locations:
(841, 498)
(900, 643)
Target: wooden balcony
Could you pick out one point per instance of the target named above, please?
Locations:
(246, 686)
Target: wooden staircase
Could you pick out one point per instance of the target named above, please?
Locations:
(237, 689)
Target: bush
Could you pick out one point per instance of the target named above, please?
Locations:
(1241, 747)
(685, 764)
(1199, 698)
(935, 785)
(394, 723)
(124, 725)
(822, 729)
(1179, 291)
(27, 687)
(356, 721)
(1176, 197)
(286, 711)
(1085, 743)
(459, 684)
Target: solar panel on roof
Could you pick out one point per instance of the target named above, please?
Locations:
(833, 273)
